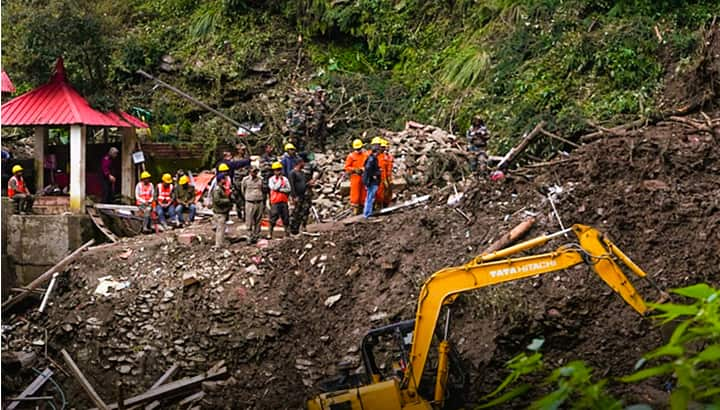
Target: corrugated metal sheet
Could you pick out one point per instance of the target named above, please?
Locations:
(57, 103)
(5, 83)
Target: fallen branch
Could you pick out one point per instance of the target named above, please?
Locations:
(510, 237)
(619, 131)
(548, 163)
(59, 267)
(559, 138)
(517, 150)
(83, 381)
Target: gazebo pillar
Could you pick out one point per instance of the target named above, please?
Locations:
(127, 169)
(41, 138)
(78, 144)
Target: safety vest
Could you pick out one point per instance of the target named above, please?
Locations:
(277, 197)
(20, 182)
(145, 194)
(164, 194)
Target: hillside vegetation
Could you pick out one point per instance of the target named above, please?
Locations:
(383, 62)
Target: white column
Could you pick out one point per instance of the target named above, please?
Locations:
(127, 173)
(41, 137)
(77, 168)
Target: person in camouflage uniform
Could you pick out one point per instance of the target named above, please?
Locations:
(301, 196)
(266, 161)
(241, 171)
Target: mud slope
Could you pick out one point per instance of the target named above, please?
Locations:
(263, 310)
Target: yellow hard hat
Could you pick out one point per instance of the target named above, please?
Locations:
(167, 178)
(289, 146)
(183, 180)
(375, 141)
(16, 169)
(384, 142)
(223, 167)
(276, 165)
(145, 175)
(357, 144)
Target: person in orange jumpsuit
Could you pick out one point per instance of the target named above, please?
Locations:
(385, 161)
(354, 167)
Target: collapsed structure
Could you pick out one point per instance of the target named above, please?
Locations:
(283, 317)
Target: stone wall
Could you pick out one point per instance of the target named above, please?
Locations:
(37, 242)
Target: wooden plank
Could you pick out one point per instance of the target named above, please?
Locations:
(192, 398)
(32, 388)
(97, 220)
(83, 381)
(59, 267)
(129, 208)
(170, 388)
(169, 373)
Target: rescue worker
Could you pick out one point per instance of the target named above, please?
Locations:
(185, 198)
(252, 189)
(266, 161)
(354, 167)
(19, 192)
(300, 188)
(288, 159)
(144, 195)
(279, 191)
(108, 182)
(477, 137)
(164, 200)
(222, 204)
(242, 163)
(385, 162)
(371, 177)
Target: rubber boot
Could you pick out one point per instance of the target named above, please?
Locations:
(270, 234)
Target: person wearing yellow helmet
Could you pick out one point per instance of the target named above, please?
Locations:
(354, 166)
(185, 198)
(19, 192)
(164, 200)
(289, 158)
(279, 190)
(144, 196)
(385, 162)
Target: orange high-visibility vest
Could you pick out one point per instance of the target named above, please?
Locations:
(145, 194)
(164, 194)
(277, 197)
(20, 182)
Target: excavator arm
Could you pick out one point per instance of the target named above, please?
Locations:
(445, 285)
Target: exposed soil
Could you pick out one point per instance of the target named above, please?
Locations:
(656, 195)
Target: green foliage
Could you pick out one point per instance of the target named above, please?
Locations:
(692, 354)
(691, 357)
(70, 28)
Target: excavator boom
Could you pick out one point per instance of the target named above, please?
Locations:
(593, 248)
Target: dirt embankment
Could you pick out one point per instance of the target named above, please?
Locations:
(264, 311)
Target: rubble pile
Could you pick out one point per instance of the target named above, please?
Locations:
(286, 316)
(425, 157)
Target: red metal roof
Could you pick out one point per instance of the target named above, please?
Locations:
(57, 103)
(5, 83)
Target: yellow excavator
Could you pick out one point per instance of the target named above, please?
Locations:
(441, 289)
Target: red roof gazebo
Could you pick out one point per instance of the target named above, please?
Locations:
(57, 103)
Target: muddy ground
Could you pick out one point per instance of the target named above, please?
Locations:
(263, 310)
